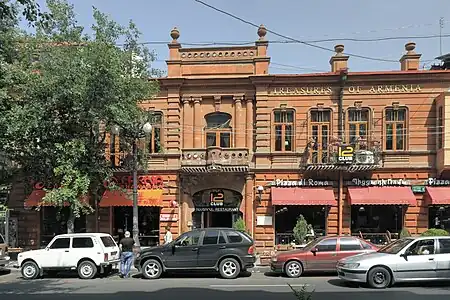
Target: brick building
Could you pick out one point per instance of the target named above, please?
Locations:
(354, 152)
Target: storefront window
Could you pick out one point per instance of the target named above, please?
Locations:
(286, 218)
(284, 129)
(319, 130)
(148, 223)
(439, 217)
(373, 222)
(54, 222)
(218, 130)
(395, 129)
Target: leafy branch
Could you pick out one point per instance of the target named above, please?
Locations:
(302, 293)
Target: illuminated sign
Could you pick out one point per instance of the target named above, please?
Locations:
(216, 198)
(345, 154)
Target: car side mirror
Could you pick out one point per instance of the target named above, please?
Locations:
(314, 250)
(404, 255)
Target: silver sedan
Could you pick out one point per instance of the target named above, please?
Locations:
(405, 260)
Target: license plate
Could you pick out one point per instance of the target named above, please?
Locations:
(114, 253)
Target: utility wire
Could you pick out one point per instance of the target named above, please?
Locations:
(290, 38)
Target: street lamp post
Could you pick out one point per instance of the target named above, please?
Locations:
(143, 130)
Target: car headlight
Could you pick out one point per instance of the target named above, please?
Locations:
(350, 266)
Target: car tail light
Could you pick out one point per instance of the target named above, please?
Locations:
(251, 250)
(106, 257)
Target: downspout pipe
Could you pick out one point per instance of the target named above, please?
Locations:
(343, 75)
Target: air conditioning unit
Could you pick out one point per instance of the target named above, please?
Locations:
(364, 157)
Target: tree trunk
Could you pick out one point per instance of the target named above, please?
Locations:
(71, 222)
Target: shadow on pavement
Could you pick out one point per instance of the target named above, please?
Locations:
(200, 274)
(442, 285)
(306, 274)
(4, 271)
(202, 293)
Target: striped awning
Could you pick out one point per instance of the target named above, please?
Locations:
(215, 169)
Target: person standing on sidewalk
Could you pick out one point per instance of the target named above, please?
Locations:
(126, 257)
(167, 236)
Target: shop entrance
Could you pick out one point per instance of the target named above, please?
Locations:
(216, 208)
(439, 217)
(148, 223)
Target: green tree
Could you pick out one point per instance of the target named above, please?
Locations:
(65, 97)
(300, 230)
(239, 224)
(435, 232)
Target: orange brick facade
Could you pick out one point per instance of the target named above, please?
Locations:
(236, 81)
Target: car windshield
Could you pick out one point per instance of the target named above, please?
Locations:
(395, 247)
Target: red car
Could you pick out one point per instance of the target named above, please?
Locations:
(321, 254)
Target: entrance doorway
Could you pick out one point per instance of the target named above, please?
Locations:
(216, 208)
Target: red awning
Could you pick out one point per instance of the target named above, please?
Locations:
(36, 196)
(438, 195)
(119, 198)
(386, 195)
(303, 196)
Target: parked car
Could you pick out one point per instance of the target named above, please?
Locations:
(4, 258)
(321, 254)
(407, 259)
(87, 253)
(225, 250)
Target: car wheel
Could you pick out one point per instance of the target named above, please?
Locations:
(229, 268)
(152, 269)
(379, 278)
(293, 269)
(30, 270)
(87, 269)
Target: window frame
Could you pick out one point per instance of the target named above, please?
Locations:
(205, 235)
(440, 127)
(326, 240)
(60, 238)
(439, 244)
(409, 248)
(218, 131)
(283, 130)
(320, 124)
(368, 122)
(150, 141)
(406, 128)
(82, 237)
(356, 242)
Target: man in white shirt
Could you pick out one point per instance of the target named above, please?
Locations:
(168, 236)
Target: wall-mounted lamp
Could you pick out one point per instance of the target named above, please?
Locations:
(174, 204)
(260, 190)
(362, 209)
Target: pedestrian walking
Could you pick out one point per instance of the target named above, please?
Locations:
(126, 257)
(167, 236)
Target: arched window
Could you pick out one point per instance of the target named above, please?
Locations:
(218, 130)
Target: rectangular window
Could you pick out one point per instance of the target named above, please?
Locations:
(61, 243)
(320, 131)
(327, 245)
(395, 129)
(284, 130)
(82, 242)
(349, 244)
(154, 138)
(108, 241)
(440, 133)
(358, 125)
(211, 237)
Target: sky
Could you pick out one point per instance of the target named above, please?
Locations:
(302, 20)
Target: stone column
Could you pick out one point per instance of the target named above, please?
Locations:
(188, 124)
(249, 124)
(239, 126)
(249, 192)
(198, 122)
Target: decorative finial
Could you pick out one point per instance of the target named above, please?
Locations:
(175, 34)
(409, 47)
(339, 49)
(262, 31)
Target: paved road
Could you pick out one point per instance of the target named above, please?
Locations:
(258, 286)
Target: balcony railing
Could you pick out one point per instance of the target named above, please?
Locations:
(366, 156)
(215, 159)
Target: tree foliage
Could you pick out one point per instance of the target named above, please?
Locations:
(435, 232)
(63, 93)
(300, 230)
